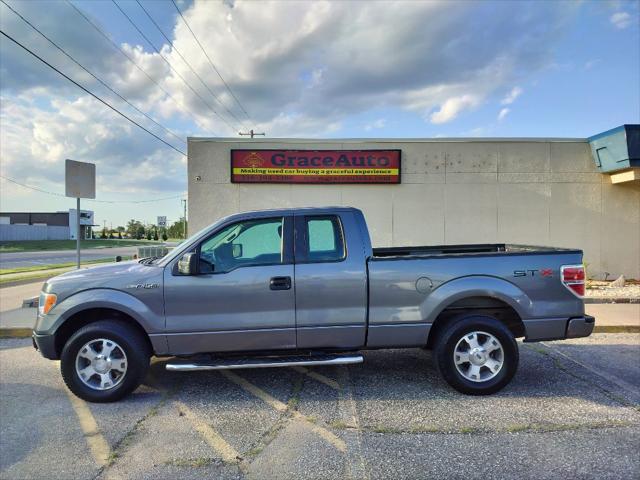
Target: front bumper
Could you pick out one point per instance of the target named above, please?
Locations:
(45, 344)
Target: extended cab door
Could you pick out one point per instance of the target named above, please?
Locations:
(242, 298)
(331, 281)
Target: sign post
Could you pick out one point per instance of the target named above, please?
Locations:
(80, 182)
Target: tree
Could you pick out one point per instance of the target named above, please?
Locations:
(103, 234)
(164, 236)
(133, 228)
(148, 234)
(119, 234)
(176, 230)
(155, 235)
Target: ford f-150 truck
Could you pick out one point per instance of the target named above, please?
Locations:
(305, 287)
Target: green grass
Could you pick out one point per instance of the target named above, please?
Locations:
(44, 245)
(37, 268)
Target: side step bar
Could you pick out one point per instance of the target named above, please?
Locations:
(265, 362)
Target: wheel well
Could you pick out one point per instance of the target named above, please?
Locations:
(85, 317)
(493, 307)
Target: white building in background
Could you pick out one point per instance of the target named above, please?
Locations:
(20, 226)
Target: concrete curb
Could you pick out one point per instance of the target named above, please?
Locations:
(616, 328)
(15, 332)
(609, 300)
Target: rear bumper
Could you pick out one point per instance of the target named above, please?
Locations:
(558, 328)
(580, 327)
(45, 344)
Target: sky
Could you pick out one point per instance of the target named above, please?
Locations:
(291, 69)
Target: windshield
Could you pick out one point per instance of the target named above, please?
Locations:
(181, 248)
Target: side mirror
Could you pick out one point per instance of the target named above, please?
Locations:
(188, 264)
(236, 250)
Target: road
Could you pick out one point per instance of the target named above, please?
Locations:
(29, 259)
(571, 411)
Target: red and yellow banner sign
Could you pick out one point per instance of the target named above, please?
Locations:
(315, 166)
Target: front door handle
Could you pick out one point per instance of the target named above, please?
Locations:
(280, 283)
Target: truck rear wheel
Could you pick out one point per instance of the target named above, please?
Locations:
(104, 361)
(477, 355)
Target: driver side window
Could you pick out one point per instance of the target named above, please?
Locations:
(242, 244)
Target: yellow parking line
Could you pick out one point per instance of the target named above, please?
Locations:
(213, 438)
(319, 377)
(258, 392)
(323, 433)
(97, 444)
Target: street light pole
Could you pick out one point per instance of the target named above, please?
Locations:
(184, 219)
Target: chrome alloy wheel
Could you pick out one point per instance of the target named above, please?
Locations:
(101, 364)
(478, 356)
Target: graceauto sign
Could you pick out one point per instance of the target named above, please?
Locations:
(315, 166)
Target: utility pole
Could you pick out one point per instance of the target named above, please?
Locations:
(78, 232)
(184, 219)
(251, 133)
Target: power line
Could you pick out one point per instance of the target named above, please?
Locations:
(171, 66)
(90, 73)
(90, 199)
(211, 62)
(117, 47)
(91, 93)
(188, 64)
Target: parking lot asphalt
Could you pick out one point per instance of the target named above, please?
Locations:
(571, 411)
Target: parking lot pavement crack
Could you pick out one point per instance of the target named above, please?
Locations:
(611, 378)
(509, 429)
(553, 354)
(121, 446)
(227, 453)
(355, 462)
(287, 409)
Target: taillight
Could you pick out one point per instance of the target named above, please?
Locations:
(573, 278)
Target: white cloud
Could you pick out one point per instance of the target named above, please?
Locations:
(450, 109)
(503, 113)
(511, 96)
(620, 20)
(299, 68)
(377, 124)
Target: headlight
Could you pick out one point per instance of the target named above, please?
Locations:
(46, 302)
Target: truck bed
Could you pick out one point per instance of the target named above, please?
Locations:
(466, 249)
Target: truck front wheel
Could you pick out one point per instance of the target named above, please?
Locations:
(477, 355)
(104, 361)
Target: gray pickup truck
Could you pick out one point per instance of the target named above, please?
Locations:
(305, 287)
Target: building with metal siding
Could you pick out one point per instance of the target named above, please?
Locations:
(18, 226)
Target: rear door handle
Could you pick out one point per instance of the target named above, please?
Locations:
(280, 283)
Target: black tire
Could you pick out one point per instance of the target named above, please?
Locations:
(446, 345)
(131, 342)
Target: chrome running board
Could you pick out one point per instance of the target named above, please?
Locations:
(265, 362)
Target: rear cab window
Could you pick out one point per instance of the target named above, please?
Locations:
(324, 239)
